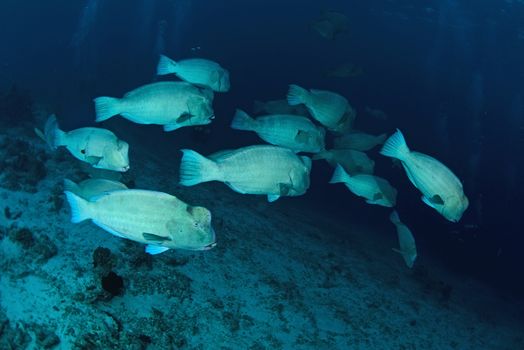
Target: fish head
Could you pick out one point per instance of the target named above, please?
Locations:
(200, 106)
(196, 232)
(115, 158)
(454, 207)
(299, 178)
(223, 82)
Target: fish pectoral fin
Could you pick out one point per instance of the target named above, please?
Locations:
(93, 160)
(284, 188)
(397, 251)
(434, 201)
(155, 249)
(154, 238)
(272, 197)
(184, 117)
(437, 200)
(302, 136)
(378, 196)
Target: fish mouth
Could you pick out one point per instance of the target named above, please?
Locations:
(126, 168)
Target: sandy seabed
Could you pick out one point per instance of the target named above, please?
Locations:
(281, 277)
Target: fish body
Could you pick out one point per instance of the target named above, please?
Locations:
(290, 131)
(374, 189)
(407, 246)
(353, 162)
(90, 188)
(96, 146)
(157, 219)
(171, 104)
(197, 71)
(328, 108)
(264, 170)
(359, 141)
(279, 107)
(441, 189)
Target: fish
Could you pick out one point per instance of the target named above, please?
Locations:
(98, 147)
(359, 141)
(297, 133)
(172, 104)
(279, 107)
(157, 219)
(197, 71)
(330, 24)
(260, 170)
(440, 188)
(90, 188)
(328, 108)
(374, 189)
(352, 161)
(406, 241)
(345, 70)
(376, 113)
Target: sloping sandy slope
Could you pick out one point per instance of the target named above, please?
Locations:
(281, 277)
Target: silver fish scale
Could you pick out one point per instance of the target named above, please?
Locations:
(259, 169)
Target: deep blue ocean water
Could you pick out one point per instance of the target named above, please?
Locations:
(447, 73)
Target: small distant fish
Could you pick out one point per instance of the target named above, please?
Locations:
(196, 48)
(297, 133)
(352, 161)
(279, 107)
(171, 104)
(359, 141)
(157, 219)
(441, 189)
(90, 188)
(330, 109)
(406, 241)
(374, 189)
(345, 70)
(197, 71)
(98, 147)
(376, 113)
(266, 170)
(330, 24)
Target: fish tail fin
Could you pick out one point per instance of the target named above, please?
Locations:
(71, 186)
(242, 121)
(395, 146)
(52, 134)
(79, 207)
(106, 107)
(394, 217)
(258, 107)
(165, 66)
(296, 95)
(195, 168)
(340, 175)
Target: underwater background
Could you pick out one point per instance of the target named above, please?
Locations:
(309, 272)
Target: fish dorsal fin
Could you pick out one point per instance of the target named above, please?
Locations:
(155, 238)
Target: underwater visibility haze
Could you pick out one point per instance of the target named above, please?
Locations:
(197, 174)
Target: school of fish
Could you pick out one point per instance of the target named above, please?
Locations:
(292, 125)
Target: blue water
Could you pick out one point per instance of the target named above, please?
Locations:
(448, 74)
